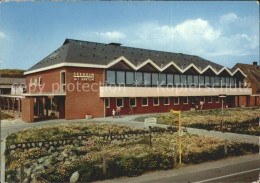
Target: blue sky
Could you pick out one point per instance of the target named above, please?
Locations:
(224, 32)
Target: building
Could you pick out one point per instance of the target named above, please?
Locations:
(11, 90)
(86, 78)
(252, 80)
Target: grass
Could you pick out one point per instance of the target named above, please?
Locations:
(129, 158)
(206, 118)
(6, 116)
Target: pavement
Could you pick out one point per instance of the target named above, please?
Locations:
(236, 169)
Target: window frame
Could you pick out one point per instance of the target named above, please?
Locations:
(122, 101)
(40, 81)
(187, 100)
(168, 101)
(107, 99)
(178, 101)
(130, 102)
(210, 97)
(114, 77)
(216, 100)
(146, 99)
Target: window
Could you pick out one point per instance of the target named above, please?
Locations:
(147, 79)
(189, 79)
(155, 79)
(31, 82)
(196, 80)
(202, 99)
(177, 79)
(139, 78)
(166, 100)
(120, 77)
(119, 102)
(111, 77)
(176, 100)
(169, 79)
(40, 80)
(217, 80)
(185, 100)
(209, 99)
(107, 101)
(227, 81)
(63, 81)
(144, 101)
(207, 82)
(156, 101)
(35, 81)
(183, 79)
(223, 81)
(232, 81)
(194, 100)
(212, 80)
(162, 79)
(132, 102)
(202, 80)
(129, 78)
(217, 99)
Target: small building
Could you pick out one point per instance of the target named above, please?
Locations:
(87, 78)
(252, 81)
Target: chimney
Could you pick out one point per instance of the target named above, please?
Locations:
(255, 64)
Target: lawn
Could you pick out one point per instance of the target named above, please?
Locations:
(239, 120)
(6, 116)
(124, 158)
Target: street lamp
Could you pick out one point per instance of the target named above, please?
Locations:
(222, 96)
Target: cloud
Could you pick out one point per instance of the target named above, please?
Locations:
(2, 35)
(115, 35)
(228, 18)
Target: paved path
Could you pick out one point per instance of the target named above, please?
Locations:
(192, 173)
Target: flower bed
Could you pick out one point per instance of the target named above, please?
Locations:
(130, 158)
(239, 120)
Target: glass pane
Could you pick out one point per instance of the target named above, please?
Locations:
(129, 78)
(183, 79)
(147, 78)
(223, 81)
(189, 79)
(111, 77)
(166, 100)
(176, 100)
(162, 79)
(227, 81)
(144, 101)
(120, 77)
(177, 79)
(232, 81)
(207, 80)
(155, 79)
(202, 80)
(139, 78)
(212, 80)
(196, 80)
(217, 80)
(132, 101)
(155, 101)
(119, 102)
(170, 79)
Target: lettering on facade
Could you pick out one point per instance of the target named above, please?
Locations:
(84, 76)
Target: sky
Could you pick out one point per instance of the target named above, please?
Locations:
(225, 32)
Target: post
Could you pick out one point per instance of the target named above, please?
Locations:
(104, 165)
(13, 101)
(221, 126)
(150, 136)
(179, 137)
(175, 154)
(3, 147)
(21, 173)
(225, 146)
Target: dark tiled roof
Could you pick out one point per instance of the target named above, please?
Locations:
(252, 72)
(76, 51)
(10, 81)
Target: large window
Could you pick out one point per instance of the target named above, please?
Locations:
(139, 78)
(119, 102)
(170, 79)
(232, 82)
(185, 100)
(223, 81)
(207, 81)
(111, 77)
(147, 79)
(189, 79)
(194, 100)
(155, 79)
(202, 80)
(132, 102)
(212, 80)
(162, 79)
(209, 99)
(129, 78)
(196, 80)
(107, 101)
(120, 77)
(177, 79)
(217, 81)
(183, 79)
(144, 101)
(156, 101)
(227, 81)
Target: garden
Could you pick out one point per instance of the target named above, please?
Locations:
(239, 120)
(82, 160)
(6, 116)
